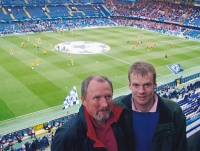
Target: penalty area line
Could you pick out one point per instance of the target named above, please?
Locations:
(116, 59)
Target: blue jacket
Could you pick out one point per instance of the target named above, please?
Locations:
(74, 134)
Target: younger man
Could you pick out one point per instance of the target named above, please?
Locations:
(150, 122)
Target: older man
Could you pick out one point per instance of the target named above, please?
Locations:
(95, 126)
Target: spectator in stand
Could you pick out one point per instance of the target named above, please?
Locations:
(52, 136)
(41, 144)
(1, 147)
(18, 139)
(34, 145)
(150, 121)
(27, 146)
(95, 126)
(12, 148)
(49, 127)
(23, 147)
(3, 139)
(32, 133)
(46, 141)
(9, 138)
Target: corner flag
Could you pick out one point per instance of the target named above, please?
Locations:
(71, 99)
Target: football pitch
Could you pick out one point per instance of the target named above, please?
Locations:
(24, 90)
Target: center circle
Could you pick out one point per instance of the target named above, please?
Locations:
(82, 47)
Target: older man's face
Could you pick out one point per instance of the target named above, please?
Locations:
(98, 100)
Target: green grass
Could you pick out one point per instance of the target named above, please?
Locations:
(23, 90)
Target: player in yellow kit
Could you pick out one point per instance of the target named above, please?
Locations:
(39, 40)
(69, 53)
(32, 64)
(11, 51)
(22, 44)
(37, 61)
(44, 52)
(72, 62)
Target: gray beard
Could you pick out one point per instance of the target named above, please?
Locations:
(98, 118)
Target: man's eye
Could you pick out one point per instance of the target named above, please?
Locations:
(135, 85)
(147, 85)
(96, 98)
(108, 97)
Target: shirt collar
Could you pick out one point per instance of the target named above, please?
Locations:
(154, 107)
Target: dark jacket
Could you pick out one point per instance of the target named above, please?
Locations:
(170, 133)
(78, 134)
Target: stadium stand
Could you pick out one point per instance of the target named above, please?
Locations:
(57, 11)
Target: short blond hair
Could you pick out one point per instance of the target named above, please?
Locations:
(142, 68)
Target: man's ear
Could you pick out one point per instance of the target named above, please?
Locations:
(129, 85)
(83, 100)
(155, 85)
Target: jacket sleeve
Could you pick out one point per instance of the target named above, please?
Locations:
(65, 138)
(181, 140)
(59, 141)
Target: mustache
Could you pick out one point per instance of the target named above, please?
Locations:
(104, 109)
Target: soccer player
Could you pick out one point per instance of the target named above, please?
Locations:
(166, 57)
(133, 47)
(37, 61)
(149, 47)
(22, 44)
(38, 48)
(138, 42)
(171, 46)
(39, 40)
(69, 53)
(155, 45)
(72, 62)
(73, 33)
(32, 64)
(34, 45)
(11, 51)
(44, 52)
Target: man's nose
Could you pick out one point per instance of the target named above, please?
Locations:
(104, 102)
(141, 89)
